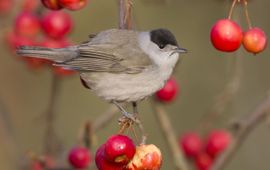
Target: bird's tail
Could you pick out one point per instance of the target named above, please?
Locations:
(53, 54)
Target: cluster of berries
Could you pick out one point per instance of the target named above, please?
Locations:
(204, 152)
(120, 153)
(41, 28)
(227, 35)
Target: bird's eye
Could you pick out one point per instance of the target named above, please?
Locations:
(161, 46)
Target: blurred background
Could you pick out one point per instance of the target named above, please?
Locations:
(203, 74)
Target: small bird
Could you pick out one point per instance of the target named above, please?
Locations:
(118, 65)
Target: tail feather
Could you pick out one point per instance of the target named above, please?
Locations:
(53, 54)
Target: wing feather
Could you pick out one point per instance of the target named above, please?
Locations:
(108, 52)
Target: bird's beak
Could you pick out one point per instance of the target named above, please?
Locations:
(180, 50)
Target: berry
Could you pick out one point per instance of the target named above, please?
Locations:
(102, 163)
(217, 142)
(57, 24)
(203, 161)
(168, 92)
(254, 40)
(73, 4)
(226, 35)
(147, 157)
(27, 24)
(191, 144)
(119, 149)
(52, 4)
(79, 157)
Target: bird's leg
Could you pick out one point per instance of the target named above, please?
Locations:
(139, 123)
(124, 112)
(135, 108)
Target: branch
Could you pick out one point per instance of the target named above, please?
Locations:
(226, 96)
(242, 129)
(51, 145)
(168, 131)
(125, 7)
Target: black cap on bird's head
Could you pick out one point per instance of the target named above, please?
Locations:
(163, 37)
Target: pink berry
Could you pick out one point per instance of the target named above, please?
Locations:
(226, 35)
(217, 142)
(191, 144)
(27, 24)
(119, 149)
(73, 4)
(255, 40)
(103, 164)
(169, 92)
(79, 157)
(57, 24)
(203, 161)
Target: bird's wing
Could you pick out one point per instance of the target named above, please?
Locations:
(115, 51)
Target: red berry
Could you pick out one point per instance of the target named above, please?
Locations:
(203, 161)
(254, 40)
(147, 157)
(6, 6)
(103, 164)
(119, 149)
(79, 157)
(217, 142)
(226, 35)
(191, 144)
(52, 4)
(73, 4)
(57, 24)
(27, 24)
(168, 92)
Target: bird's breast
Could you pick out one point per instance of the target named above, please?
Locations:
(127, 87)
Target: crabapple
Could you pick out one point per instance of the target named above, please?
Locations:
(226, 35)
(254, 40)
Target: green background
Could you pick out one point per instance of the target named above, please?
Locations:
(202, 75)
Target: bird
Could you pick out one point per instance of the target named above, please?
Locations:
(118, 65)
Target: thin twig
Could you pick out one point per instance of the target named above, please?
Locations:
(228, 93)
(242, 129)
(178, 157)
(231, 9)
(125, 7)
(247, 14)
(51, 145)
